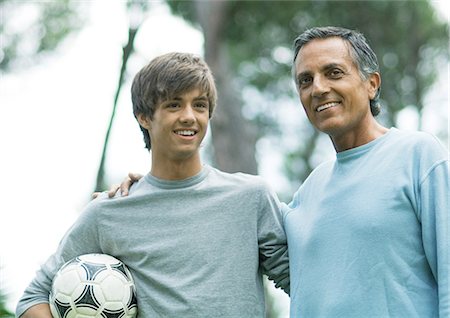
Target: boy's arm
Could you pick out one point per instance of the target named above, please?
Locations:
(38, 311)
(37, 292)
(36, 296)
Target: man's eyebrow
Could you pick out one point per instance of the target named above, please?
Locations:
(324, 68)
(331, 66)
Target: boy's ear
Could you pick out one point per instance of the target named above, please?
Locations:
(144, 121)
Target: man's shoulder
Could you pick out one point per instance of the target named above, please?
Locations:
(419, 143)
(414, 136)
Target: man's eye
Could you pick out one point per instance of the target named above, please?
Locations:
(304, 81)
(335, 73)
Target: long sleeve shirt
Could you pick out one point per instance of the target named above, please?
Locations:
(196, 247)
(368, 232)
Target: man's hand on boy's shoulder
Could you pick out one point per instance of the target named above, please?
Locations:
(124, 187)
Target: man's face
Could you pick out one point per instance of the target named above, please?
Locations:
(179, 126)
(334, 96)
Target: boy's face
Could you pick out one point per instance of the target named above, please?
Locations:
(179, 126)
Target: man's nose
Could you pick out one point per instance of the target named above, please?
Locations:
(320, 86)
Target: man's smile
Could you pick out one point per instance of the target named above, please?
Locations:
(326, 106)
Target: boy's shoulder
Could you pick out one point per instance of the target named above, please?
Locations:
(239, 182)
(238, 178)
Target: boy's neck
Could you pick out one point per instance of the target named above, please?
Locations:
(176, 169)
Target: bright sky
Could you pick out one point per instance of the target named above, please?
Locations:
(53, 119)
(52, 124)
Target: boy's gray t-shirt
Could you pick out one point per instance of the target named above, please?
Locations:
(196, 247)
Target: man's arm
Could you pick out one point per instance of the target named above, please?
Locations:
(434, 207)
(272, 241)
(123, 188)
(38, 311)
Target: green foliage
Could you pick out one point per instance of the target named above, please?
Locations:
(399, 31)
(4, 313)
(408, 38)
(31, 28)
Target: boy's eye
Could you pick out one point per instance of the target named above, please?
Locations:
(172, 105)
(201, 105)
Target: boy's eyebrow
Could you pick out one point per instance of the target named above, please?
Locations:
(203, 97)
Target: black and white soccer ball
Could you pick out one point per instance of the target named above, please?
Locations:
(93, 285)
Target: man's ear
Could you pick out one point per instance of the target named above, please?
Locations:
(374, 82)
(144, 121)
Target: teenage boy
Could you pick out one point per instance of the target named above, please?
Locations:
(196, 240)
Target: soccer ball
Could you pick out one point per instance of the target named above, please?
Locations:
(93, 285)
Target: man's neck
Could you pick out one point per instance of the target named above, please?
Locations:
(358, 138)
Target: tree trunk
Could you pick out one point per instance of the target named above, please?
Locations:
(127, 50)
(234, 137)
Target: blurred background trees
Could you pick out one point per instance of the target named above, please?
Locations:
(4, 312)
(248, 47)
(46, 25)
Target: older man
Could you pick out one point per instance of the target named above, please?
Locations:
(368, 232)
